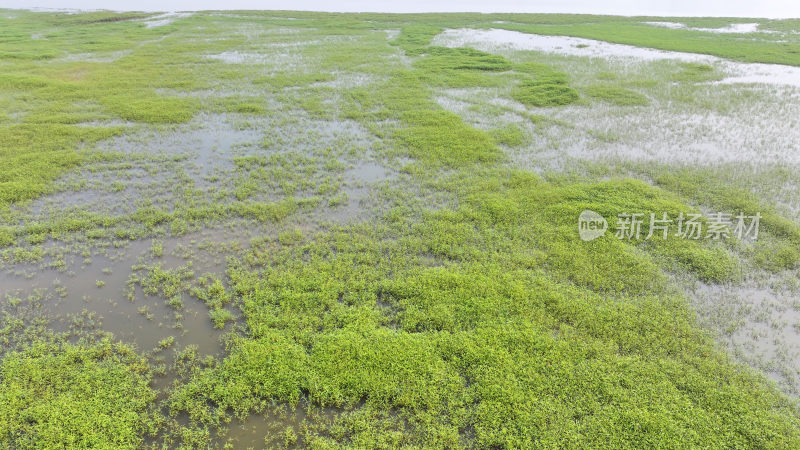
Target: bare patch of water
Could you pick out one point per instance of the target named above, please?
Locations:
(98, 287)
(736, 28)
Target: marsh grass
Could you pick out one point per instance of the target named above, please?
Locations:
(616, 95)
(696, 72)
(548, 87)
(464, 312)
(75, 395)
(545, 94)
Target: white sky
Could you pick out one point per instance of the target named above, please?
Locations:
(725, 8)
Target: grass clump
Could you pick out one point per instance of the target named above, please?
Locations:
(441, 137)
(150, 110)
(414, 38)
(6, 237)
(544, 94)
(547, 88)
(32, 155)
(538, 70)
(248, 108)
(616, 95)
(459, 67)
(461, 58)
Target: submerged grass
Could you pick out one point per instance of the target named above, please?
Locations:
(696, 72)
(616, 95)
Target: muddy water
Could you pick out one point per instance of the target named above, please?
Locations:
(100, 285)
(267, 430)
(359, 180)
(93, 283)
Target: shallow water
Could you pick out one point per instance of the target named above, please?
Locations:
(497, 39)
(92, 279)
(742, 28)
(758, 324)
(95, 57)
(494, 39)
(76, 291)
(164, 19)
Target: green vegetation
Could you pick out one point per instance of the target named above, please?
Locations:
(696, 72)
(332, 232)
(543, 94)
(616, 95)
(485, 337)
(32, 156)
(509, 135)
(441, 137)
(548, 88)
(414, 38)
(153, 110)
(443, 58)
(63, 395)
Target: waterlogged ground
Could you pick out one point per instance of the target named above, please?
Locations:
(326, 230)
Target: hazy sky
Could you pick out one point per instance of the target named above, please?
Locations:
(742, 8)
